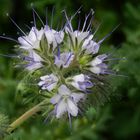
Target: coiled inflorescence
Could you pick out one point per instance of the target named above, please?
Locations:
(68, 62)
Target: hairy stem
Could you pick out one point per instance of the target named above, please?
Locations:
(25, 116)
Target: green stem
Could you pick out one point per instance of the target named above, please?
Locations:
(25, 116)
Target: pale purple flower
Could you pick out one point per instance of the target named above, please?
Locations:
(33, 60)
(81, 82)
(32, 40)
(97, 65)
(79, 35)
(90, 46)
(48, 82)
(28, 43)
(53, 37)
(64, 59)
(66, 101)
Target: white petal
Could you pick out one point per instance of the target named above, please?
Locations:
(50, 36)
(55, 99)
(58, 62)
(36, 44)
(91, 48)
(102, 57)
(33, 34)
(32, 39)
(72, 108)
(72, 37)
(36, 57)
(76, 79)
(25, 42)
(86, 42)
(40, 34)
(79, 77)
(82, 36)
(41, 83)
(77, 97)
(44, 77)
(68, 29)
(95, 48)
(76, 33)
(63, 90)
(61, 108)
(90, 37)
(64, 60)
(51, 86)
(96, 61)
(59, 37)
(34, 66)
(75, 84)
(54, 77)
(54, 43)
(96, 70)
(49, 82)
(44, 87)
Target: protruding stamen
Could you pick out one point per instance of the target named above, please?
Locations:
(62, 25)
(9, 38)
(79, 23)
(28, 26)
(70, 123)
(96, 29)
(68, 21)
(34, 19)
(46, 16)
(19, 29)
(68, 59)
(16, 24)
(52, 17)
(115, 74)
(27, 41)
(86, 18)
(113, 59)
(90, 22)
(9, 55)
(108, 34)
(57, 26)
(58, 52)
(38, 16)
(76, 13)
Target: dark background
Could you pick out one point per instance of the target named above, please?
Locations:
(117, 120)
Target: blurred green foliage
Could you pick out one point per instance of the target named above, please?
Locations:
(117, 120)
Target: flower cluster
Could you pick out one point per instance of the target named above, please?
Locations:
(70, 62)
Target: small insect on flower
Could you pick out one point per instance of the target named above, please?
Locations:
(67, 64)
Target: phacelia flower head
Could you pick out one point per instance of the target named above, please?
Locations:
(65, 65)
